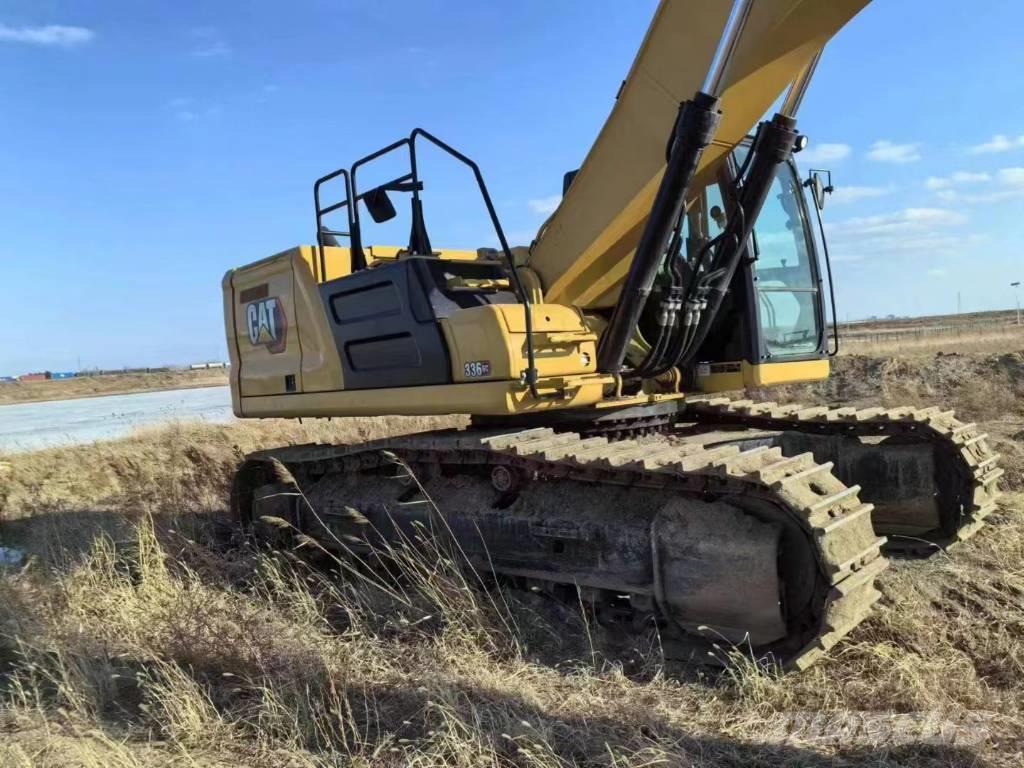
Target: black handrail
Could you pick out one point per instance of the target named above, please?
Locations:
(321, 212)
(419, 235)
(517, 283)
(358, 257)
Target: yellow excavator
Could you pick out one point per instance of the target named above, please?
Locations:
(686, 259)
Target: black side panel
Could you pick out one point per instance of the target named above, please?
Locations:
(386, 334)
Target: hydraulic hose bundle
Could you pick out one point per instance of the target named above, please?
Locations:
(695, 125)
(696, 291)
(706, 284)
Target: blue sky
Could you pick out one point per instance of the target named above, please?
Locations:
(147, 147)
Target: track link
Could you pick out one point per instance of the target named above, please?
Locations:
(966, 468)
(821, 514)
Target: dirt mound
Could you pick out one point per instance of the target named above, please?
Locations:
(979, 387)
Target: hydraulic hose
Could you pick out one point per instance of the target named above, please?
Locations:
(694, 128)
(773, 146)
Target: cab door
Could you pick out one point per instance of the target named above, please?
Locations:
(785, 276)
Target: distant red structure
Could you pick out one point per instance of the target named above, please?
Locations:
(34, 376)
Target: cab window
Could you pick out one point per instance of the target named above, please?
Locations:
(785, 281)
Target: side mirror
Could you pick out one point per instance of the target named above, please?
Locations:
(379, 205)
(820, 188)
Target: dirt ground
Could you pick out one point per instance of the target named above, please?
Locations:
(112, 384)
(129, 639)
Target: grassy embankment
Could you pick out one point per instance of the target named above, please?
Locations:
(112, 384)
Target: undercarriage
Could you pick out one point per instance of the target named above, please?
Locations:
(755, 525)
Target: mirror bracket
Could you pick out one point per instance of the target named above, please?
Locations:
(820, 189)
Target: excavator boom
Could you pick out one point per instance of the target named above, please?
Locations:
(583, 252)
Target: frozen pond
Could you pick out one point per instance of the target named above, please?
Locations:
(26, 426)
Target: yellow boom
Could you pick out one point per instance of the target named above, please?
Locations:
(582, 253)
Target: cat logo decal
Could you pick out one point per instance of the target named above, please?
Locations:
(267, 324)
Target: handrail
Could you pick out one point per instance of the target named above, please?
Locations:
(419, 234)
(520, 289)
(321, 212)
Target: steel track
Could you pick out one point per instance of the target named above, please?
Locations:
(833, 523)
(966, 466)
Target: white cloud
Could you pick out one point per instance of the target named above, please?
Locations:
(1013, 177)
(936, 272)
(545, 205)
(824, 153)
(906, 232)
(266, 93)
(1006, 184)
(960, 177)
(851, 194)
(969, 177)
(187, 110)
(905, 219)
(209, 43)
(984, 198)
(998, 143)
(219, 48)
(183, 108)
(886, 151)
(52, 34)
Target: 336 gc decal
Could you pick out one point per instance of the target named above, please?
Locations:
(476, 369)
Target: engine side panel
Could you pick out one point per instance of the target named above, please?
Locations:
(383, 329)
(408, 336)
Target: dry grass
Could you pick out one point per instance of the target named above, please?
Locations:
(181, 467)
(113, 384)
(135, 638)
(920, 342)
